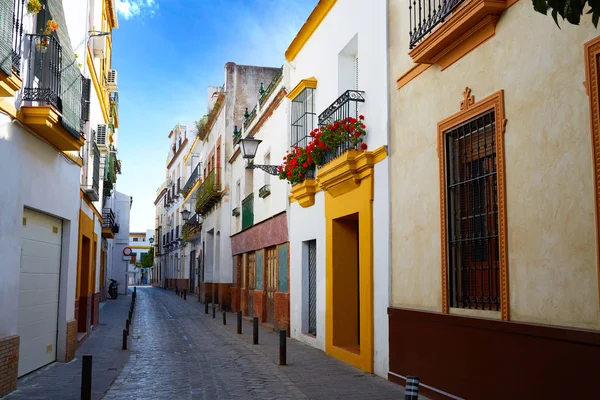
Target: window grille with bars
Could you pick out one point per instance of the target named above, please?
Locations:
(303, 117)
(472, 217)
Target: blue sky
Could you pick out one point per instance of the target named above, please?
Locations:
(166, 53)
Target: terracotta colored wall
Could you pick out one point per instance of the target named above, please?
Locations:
(9, 364)
(224, 295)
(259, 304)
(282, 311)
(71, 340)
(96, 309)
(235, 299)
(265, 234)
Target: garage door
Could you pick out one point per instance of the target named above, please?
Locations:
(38, 290)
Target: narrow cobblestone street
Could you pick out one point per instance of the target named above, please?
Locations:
(176, 351)
(181, 353)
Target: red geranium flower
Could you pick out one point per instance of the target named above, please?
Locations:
(361, 117)
(363, 146)
(357, 134)
(305, 165)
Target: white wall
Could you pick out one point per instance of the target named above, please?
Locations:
(349, 28)
(121, 206)
(307, 224)
(35, 175)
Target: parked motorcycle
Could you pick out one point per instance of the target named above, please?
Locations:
(113, 289)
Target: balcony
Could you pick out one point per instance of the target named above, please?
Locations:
(10, 58)
(443, 31)
(265, 95)
(191, 229)
(248, 211)
(109, 224)
(52, 93)
(249, 117)
(343, 107)
(195, 178)
(92, 191)
(209, 193)
(212, 116)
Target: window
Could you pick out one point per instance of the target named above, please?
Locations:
(348, 66)
(472, 188)
(238, 193)
(135, 239)
(473, 206)
(303, 116)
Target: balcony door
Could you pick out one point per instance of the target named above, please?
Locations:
(192, 271)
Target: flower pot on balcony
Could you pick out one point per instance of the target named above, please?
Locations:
(41, 44)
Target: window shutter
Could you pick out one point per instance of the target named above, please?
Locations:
(85, 99)
(6, 19)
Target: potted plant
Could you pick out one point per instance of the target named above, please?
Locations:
(34, 6)
(348, 132)
(42, 41)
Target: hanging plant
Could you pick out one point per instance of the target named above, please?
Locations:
(348, 131)
(296, 165)
(34, 6)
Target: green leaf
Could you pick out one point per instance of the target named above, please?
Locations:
(540, 6)
(555, 16)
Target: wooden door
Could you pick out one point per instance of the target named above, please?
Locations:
(251, 282)
(271, 282)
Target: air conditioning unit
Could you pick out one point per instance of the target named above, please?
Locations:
(91, 193)
(99, 47)
(102, 138)
(111, 80)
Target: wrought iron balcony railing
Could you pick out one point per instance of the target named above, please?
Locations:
(248, 211)
(249, 117)
(271, 87)
(343, 107)
(109, 220)
(425, 15)
(43, 83)
(193, 179)
(209, 193)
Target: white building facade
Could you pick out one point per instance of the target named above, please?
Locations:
(339, 217)
(169, 221)
(44, 122)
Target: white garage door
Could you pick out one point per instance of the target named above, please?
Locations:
(38, 291)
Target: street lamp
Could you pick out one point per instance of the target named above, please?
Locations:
(249, 147)
(185, 214)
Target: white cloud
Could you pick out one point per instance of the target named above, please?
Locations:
(133, 8)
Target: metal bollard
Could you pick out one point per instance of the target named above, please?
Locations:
(282, 347)
(255, 330)
(239, 322)
(224, 318)
(214, 309)
(135, 290)
(127, 323)
(411, 391)
(205, 306)
(125, 339)
(86, 378)
(130, 315)
(185, 294)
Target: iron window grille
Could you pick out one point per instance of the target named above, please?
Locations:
(425, 15)
(347, 105)
(472, 217)
(303, 117)
(96, 172)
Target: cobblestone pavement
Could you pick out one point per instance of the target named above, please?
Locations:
(62, 381)
(181, 353)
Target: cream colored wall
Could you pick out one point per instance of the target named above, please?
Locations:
(553, 273)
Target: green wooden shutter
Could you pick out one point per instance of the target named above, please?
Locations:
(71, 80)
(283, 257)
(259, 270)
(6, 17)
